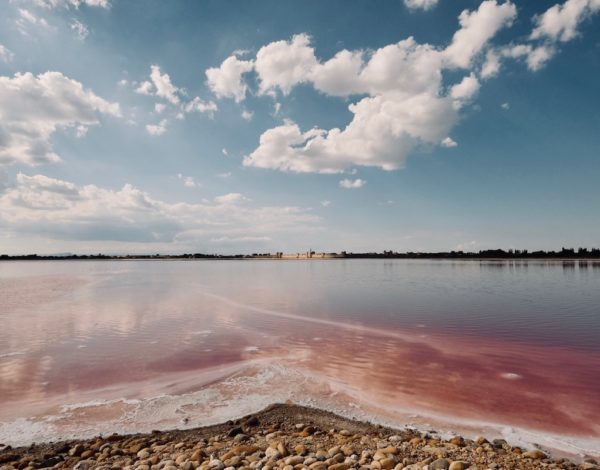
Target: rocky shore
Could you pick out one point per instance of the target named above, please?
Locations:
(283, 437)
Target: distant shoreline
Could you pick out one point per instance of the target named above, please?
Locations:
(487, 255)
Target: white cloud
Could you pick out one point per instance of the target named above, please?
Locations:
(199, 106)
(27, 19)
(157, 129)
(505, 106)
(227, 80)
(247, 115)
(224, 175)
(231, 198)
(6, 55)
(145, 88)
(477, 28)
(465, 90)
(352, 184)
(32, 108)
(225, 152)
(80, 29)
(402, 102)
(159, 107)
(188, 181)
(326, 203)
(535, 57)
(560, 22)
(284, 64)
(54, 209)
(162, 82)
(491, 66)
(420, 4)
(448, 142)
(72, 3)
(81, 131)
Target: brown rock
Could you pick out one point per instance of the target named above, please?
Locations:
(294, 460)
(535, 454)
(339, 466)
(76, 450)
(282, 449)
(439, 464)
(458, 465)
(387, 463)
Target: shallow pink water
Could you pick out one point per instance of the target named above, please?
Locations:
(509, 349)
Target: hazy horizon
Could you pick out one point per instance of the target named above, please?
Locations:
(263, 126)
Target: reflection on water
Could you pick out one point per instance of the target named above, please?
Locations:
(125, 346)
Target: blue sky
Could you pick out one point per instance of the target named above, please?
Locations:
(244, 126)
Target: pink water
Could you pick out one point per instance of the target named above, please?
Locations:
(501, 348)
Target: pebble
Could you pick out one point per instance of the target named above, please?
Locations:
(534, 454)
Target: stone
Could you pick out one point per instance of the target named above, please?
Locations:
(534, 454)
(86, 454)
(282, 449)
(235, 431)
(387, 463)
(76, 450)
(253, 421)
(294, 460)
(143, 454)
(458, 441)
(458, 465)
(439, 464)
(339, 466)
(415, 441)
(85, 465)
(216, 464)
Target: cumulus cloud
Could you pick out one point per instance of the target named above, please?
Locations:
(159, 85)
(145, 88)
(448, 142)
(57, 209)
(231, 198)
(227, 80)
(157, 129)
(284, 64)
(405, 108)
(400, 96)
(80, 29)
(199, 106)
(6, 55)
(162, 83)
(352, 184)
(188, 181)
(476, 29)
(247, 115)
(535, 57)
(32, 108)
(560, 22)
(420, 4)
(465, 90)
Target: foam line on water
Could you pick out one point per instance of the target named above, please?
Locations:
(251, 389)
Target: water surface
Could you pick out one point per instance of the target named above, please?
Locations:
(502, 347)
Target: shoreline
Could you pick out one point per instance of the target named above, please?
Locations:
(287, 437)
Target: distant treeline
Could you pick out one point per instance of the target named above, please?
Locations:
(569, 253)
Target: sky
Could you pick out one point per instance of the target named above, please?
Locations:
(222, 126)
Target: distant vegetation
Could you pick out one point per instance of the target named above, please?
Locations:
(565, 253)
